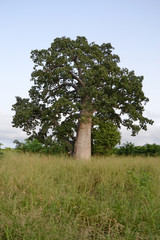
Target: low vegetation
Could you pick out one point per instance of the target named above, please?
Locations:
(129, 149)
(56, 198)
(1, 152)
(101, 146)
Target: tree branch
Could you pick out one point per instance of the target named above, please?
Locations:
(61, 85)
(77, 78)
(56, 66)
(79, 69)
(49, 68)
(69, 84)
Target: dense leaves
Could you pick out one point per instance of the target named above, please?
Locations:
(72, 76)
(1, 153)
(105, 137)
(129, 149)
(34, 146)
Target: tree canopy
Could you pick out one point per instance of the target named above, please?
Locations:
(77, 84)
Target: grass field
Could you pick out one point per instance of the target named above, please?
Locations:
(54, 198)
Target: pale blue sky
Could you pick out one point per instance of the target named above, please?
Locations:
(131, 26)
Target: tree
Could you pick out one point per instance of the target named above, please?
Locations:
(74, 83)
(105, 136)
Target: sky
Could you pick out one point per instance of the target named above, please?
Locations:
(131, 26)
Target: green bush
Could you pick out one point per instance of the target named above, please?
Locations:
(127, 149)
(35, 146)
(105, 136)
(1, 153)
(146, 150)
(30, 146)
(152, 150)
(101, 146)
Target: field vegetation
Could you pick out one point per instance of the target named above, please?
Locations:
(56, 198)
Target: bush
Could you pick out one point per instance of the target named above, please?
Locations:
(152, 150)
(146, 150)
(127, 149)
(1, 153)
(105, 136)
(35, 146)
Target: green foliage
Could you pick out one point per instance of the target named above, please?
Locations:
(1, 153)
(102, 145)
(127, 149)
(31, 146)
(74, 75)
(105, 137)
(7, 149)
(146, 150)
(55, 148)
(152, 149)
(34, 146)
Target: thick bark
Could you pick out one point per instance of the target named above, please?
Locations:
(82, 150)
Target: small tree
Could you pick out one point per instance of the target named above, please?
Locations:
(105, 137)
(75, 81)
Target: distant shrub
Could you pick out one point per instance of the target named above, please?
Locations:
(35, 146)
(152, 150)
(8, 149)
(1, 153)
(31, 146)
(127, 149)
(146, 150)
(55, 147)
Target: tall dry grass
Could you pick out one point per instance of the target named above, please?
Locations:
(46, 197)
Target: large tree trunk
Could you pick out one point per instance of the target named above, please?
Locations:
(82, 150)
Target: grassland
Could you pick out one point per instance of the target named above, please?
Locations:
(57, 198)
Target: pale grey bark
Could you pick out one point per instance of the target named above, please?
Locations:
(82, 150)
